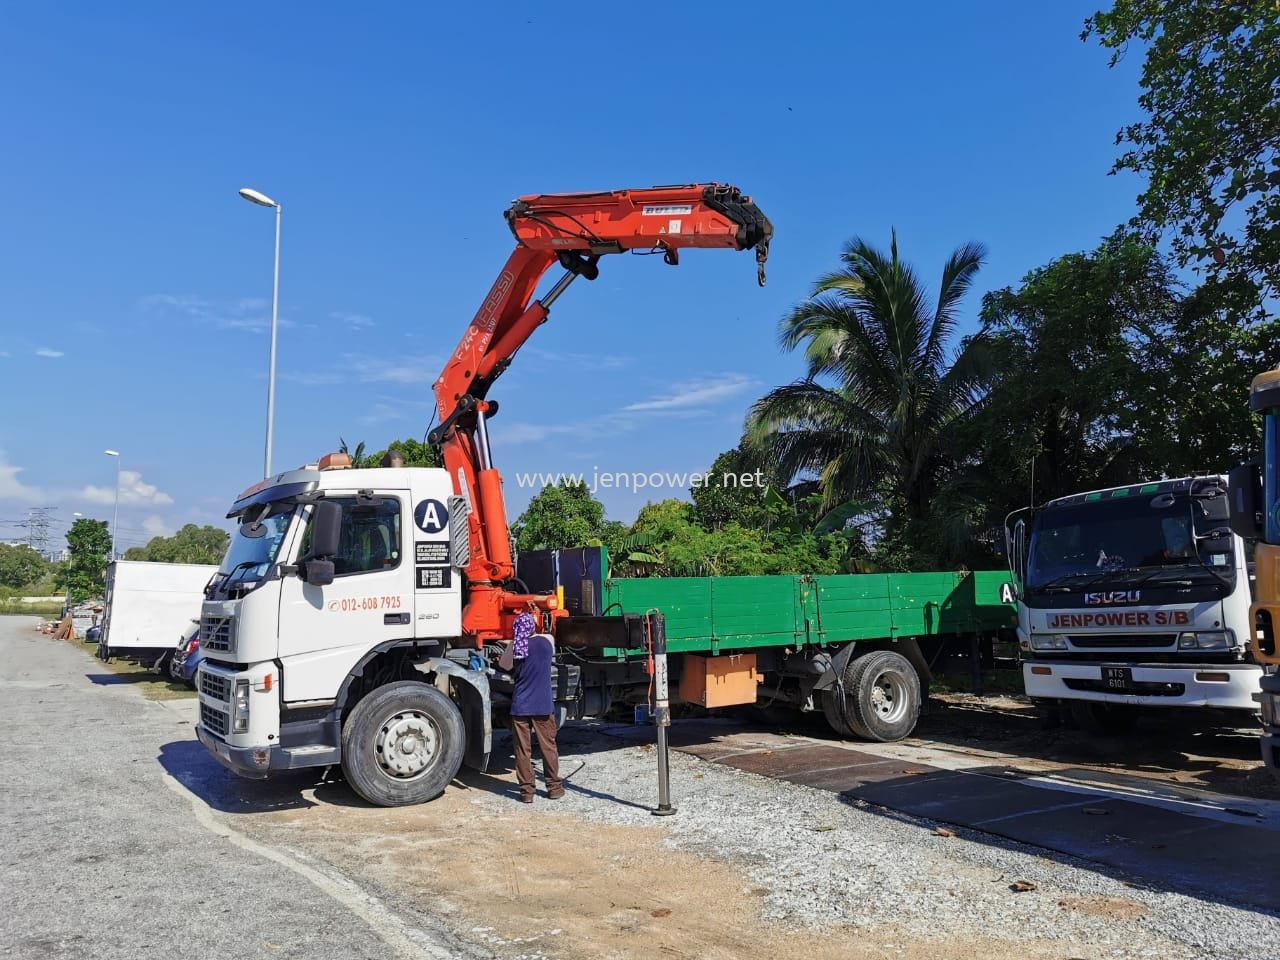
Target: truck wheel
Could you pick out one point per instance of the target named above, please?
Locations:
(881, 698)
(1109, 718)
(830, 700)
(402, 744)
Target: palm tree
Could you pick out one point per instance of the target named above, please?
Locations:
(877, 413)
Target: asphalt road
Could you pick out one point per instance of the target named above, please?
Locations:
(105, 855)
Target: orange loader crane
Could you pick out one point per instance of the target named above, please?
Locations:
(574, 230)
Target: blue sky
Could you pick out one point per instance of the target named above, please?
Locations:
(135, 290)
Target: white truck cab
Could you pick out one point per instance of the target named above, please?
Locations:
(1135, 596)
(288, 626)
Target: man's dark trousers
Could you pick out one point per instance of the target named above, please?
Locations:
(522, 731)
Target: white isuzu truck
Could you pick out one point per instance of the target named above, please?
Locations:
(1134, 596)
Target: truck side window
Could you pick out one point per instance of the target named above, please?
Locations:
(370, 538)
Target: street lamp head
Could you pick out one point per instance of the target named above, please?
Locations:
(261, 199)
(112, 453)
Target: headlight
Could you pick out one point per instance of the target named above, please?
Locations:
(1048, 641)
(240, 708)
(1206, 640)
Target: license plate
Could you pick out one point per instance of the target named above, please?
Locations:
(1117, 678)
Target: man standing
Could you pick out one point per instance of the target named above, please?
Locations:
(533, 708)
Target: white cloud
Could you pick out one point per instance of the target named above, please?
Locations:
(421, 369)
(364, 369)
(355, 321)
(578, 361)
(252, 314)
(314, 378)
(695, 394)
(11, 488)
(49, 352)
(383, 411)
(515, 432)
(155, 526)
(133, 492)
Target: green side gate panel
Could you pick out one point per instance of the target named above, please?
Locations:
(707, 614)
(718, 614)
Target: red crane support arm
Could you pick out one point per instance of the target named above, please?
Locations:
(574, 230)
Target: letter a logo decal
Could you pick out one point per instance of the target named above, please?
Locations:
(431, 516)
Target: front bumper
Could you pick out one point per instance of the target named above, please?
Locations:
(1065, 679)
(252, 762)
(258, 763)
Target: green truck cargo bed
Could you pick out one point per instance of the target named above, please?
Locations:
(717, 614)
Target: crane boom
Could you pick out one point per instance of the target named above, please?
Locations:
(574, 230)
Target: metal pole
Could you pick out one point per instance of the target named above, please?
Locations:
(115, 516)
(271, 373)
(661, 712)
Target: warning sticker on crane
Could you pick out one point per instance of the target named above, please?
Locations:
(666, 209)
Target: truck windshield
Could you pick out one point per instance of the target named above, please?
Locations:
(256, 542)
(1134, 538)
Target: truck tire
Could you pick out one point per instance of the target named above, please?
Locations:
(402, 744)
(1105, 718)
(831, 710)
(881, 698)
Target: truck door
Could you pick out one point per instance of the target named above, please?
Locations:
(326, 629)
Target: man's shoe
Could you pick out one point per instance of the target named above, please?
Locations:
(555, 794)
(526, 798)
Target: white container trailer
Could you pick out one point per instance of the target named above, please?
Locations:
(149, 605)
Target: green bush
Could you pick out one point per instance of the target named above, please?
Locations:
(46, 610)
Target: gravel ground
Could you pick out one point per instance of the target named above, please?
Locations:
(748, 866)
(825, 861)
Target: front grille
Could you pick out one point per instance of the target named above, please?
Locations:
(215, 633)
(1146, 688)
(1100, 641)
(215, 686)
(213, 719)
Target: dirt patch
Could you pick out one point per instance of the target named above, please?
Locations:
(1110, 908)
(541, 884)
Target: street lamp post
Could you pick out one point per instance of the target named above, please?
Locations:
(262, 200)
(115, 516)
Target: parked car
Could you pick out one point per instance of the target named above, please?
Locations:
(93, 634)
(187, 656)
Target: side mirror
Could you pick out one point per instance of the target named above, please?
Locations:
(1245, 498)
(1018, 557)
(318, 573)
(326, 526)
(1015, 547)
